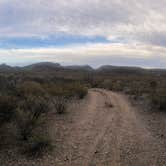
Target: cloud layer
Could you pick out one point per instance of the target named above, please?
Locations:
(94, 54)
(136, 29)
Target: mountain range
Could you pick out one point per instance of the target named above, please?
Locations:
(50, 66)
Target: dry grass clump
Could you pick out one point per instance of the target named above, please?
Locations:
(60, 104)
(109, 104)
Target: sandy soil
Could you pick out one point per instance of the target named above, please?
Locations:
(103, 130)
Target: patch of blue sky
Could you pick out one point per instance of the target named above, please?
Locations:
(50, 41)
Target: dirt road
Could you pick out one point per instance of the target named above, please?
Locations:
(104, 130)
(107, 131)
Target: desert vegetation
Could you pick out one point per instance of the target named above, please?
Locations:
(25, 102)
(150, 89)
(29, 96)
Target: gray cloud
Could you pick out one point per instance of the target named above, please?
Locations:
(109, 18)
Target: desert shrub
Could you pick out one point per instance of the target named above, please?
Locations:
(67, 90)
(29, 116)
(30, 88)
(153, 88)
(37, 145)
(25, 124)
(162, 105)
(135, 89)
(108, 104)
(159, 101)
(117, 85)
(153, 85)
(56, 90)
(5, 85)
(60, 104)
(8, 105)
(79, 90)
(107, 84)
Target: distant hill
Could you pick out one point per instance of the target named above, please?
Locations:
(127, 70)
(4, 67)
(43, 66)
(55, 66)
(77, 67)
(121, 70)
(110, 67)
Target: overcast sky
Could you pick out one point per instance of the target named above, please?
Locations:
(94, 32)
